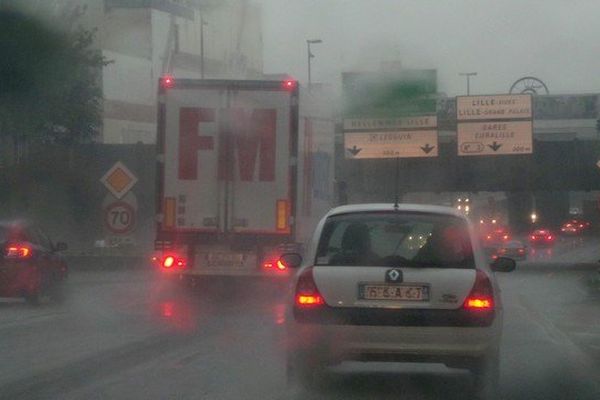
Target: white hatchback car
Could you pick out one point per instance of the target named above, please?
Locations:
(405, 283)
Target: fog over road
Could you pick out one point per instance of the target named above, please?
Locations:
(130, 335)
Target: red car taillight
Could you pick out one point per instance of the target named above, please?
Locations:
(307, 294)
(481, 296)
(18, 251)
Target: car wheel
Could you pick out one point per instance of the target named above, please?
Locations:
(486, 376)
(304, 369)
(40, 297)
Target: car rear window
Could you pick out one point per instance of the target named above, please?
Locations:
(395, 239)
(11, 233)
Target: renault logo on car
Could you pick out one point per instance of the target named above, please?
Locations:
(393, 275)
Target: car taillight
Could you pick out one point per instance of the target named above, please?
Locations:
(532, 237)
(170, 262)
(307, 294)
(521, 251)
(18, 251)
(550, 237)
(481, 296)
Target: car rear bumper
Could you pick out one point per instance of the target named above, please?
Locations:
(18, 279)
(449, 345)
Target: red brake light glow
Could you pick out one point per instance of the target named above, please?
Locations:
(169, 261)
(481, 296)
(281, 266)
(167, 81)
(290, 84)
(307, 293)
(18, 251)
(309, 300)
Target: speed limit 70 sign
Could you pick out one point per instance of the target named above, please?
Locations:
(119, 217)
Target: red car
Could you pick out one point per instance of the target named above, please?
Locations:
(31, 266)
(542, 237)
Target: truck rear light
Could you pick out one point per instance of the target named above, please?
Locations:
(282, 215)
(174, 262)
(481, 297)
(170, 205)
(18, 251)
(289, 84)
(167, 81)
(281, 266)
(307, 294)
(169, 261)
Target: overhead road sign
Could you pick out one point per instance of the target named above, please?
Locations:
(381, 124)
(477, 108)
(395, 144)
(494, 138)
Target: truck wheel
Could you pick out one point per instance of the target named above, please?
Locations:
(486, 376)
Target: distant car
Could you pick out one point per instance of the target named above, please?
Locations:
(498, 234)
(575, 226)
(31, 266)
(366, 292)
(514, 249)
(542, 237)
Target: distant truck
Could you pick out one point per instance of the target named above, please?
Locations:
(244, 173)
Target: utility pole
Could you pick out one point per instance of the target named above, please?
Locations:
(310, 56)
(468, 75)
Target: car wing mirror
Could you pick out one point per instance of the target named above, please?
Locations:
(291, 260)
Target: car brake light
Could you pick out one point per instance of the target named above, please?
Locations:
(532, 237)
(307, 294)
(18, 251)
(481, 296)
(505, 237)
(550, 237)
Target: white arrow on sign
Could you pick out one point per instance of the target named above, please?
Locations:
(495, 138)
(399, 144)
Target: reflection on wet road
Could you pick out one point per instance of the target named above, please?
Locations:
(129, 335)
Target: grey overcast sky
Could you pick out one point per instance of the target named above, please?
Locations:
(503, 40)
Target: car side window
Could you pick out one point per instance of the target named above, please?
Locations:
(44, 240)
(31, 235)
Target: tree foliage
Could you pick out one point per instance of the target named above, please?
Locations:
(50, 86)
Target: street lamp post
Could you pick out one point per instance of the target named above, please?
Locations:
(202, 23)
(311, 55)
(468, 75)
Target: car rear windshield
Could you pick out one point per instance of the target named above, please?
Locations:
(395, 239)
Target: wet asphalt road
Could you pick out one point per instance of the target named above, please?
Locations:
(130, 335)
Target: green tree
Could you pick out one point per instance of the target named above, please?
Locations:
(49, 82)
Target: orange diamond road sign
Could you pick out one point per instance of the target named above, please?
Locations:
(119, 180)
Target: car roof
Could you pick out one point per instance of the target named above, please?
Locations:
(414, 208)
(14, 223)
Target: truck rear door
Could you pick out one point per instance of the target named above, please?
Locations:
(227, 156)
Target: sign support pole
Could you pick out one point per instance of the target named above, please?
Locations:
(396, 184)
